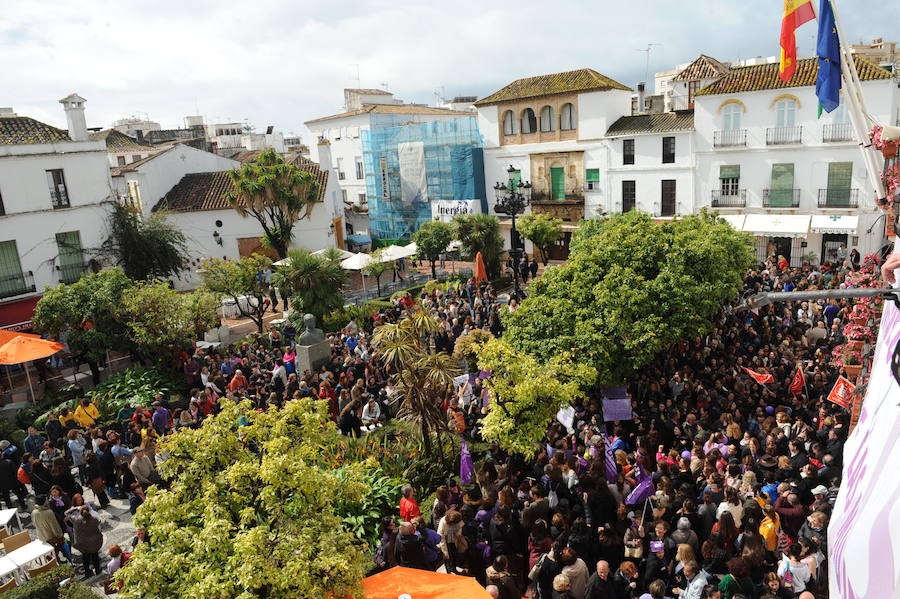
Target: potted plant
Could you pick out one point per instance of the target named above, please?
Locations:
(849, 358)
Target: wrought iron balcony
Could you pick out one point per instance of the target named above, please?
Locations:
(837, 132)
(783, 135)
(12, 285)
(730, 199)
(781, 198)
(70, 273)
(726, 138)
(60, 198)
(838, 198)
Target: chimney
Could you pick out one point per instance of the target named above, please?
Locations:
(73, 104)
(640, 98)
(139, 134)
(324, 155)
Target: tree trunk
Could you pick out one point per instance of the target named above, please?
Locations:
(95, 371)
(426, 438)
(433, 271)
(544, 256)
(378, 284)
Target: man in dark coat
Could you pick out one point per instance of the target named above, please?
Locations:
(600, 585)
(410, 553)
(9, 481)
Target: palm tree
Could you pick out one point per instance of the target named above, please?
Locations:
(422, 377)
(480, 233)
(313, 282)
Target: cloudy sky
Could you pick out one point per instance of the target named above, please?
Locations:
(280, 62)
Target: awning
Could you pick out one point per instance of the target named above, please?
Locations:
(16, 315)
(359, 238)
(735, 220)
(777, 225)
(835, 223)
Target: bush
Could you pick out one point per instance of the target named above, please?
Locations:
(53, 399)
(135, 385)
(363, 518)
(45, 586)
(76, 590)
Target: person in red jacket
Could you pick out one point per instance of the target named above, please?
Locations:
(409, 508)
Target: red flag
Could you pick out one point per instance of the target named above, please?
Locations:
(759, 377)
(842, 393)
(796, 13)
(798, 382)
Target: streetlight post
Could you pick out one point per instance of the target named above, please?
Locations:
(512, 200)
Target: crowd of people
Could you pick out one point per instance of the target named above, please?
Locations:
(744, 475)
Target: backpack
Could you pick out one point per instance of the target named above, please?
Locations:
(788, 579)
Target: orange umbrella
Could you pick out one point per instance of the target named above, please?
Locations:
(25, 348)
(421, 584)
(480, 270)
(6, 335)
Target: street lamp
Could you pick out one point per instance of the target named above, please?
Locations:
(512, 200)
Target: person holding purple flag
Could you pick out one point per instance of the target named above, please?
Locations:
(466, 467)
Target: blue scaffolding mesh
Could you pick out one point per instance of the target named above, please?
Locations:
(454, 170)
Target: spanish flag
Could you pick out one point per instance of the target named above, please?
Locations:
(796, 13)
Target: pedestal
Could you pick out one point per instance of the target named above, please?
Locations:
(310, 357)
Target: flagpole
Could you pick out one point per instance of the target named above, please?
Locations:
(857, 106)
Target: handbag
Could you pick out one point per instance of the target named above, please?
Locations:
(536, 570)
(634, 552)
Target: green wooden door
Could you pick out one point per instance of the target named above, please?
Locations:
(12, 281)
(839, 176)
(71, 258)
(782, 192)
(557, 183)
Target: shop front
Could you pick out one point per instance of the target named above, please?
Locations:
(16, 315)
(839, 233)
(779, 235)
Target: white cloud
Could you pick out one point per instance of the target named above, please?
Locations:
(281, 63)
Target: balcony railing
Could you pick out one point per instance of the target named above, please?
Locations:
(781, 198)
(726, 138)
(70, 273)
(838, 198)
(11, 285)
(837, 132)
(730, 199)
(540, 196)
(60, 198)
(783, 135)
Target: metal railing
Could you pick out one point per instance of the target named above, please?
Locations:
(837, 132)
(781, 198)
(725, 138)
(541, 196)
(60, 198)
(838, 198)
(730, 199)
(18, 284)
(70, 273)
(783, 135)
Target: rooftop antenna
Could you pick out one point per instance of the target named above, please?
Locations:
(384, 84)
(647, 51)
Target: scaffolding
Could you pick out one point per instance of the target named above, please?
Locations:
(453, 164)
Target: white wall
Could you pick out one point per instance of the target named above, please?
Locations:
(598, 110)
(30, 219)
(488, 125)
(648, 172)
(345, 135)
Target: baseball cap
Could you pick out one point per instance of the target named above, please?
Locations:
(820, 490)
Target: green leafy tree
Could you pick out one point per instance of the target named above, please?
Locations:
(277, 194)
(236, 278)
(422, 377)
(161, 321)
(86, 314)
(432, 240)
(144, 248)
(525, 394)
(629, 289)
(251, 510)
(480, 233)
(314, 283)
(377, 267)
(542, 230)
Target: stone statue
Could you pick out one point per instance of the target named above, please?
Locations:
(311, 335)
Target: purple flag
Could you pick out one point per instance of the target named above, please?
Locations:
(466, 467)
(644, 489)
(609, 460)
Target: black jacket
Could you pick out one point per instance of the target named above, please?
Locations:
(410, 552)
(600, 589)
(8, 474)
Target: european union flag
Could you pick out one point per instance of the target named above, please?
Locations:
(828, 49)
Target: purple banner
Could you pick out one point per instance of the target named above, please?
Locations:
(466, 467)
(617, 409)
(644, 489)
(609, 460)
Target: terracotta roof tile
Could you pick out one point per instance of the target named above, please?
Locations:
(581, 80)
(197, 192)
(765, 76)
(392, 109)
(246, 155)
(682, 120)
(16, 130)
(704, 67)
(368, 92)
(116, 141)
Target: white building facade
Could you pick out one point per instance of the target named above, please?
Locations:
(55, 191)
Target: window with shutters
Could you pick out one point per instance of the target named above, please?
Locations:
(730, 179)
(71, 257)
(59, 194)
(567, 117)
(529, 122)
(546, 119)
(628, 195)
(12, 280)
(668, 198)
(360, 173)
(120, 160)
(627, 151)
(592, 178)
(509, 123)
(782, 194)
(668, 150)
(840, 176)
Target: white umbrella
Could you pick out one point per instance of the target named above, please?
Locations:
(282, 262)
(343, 254)
(357, 261)
(413, 247)
(395, 252)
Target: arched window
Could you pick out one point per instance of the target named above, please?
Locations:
(509, 123)
(731, 117)
(786, 113)
(546, 118)
(529, 122)
(567, 117)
